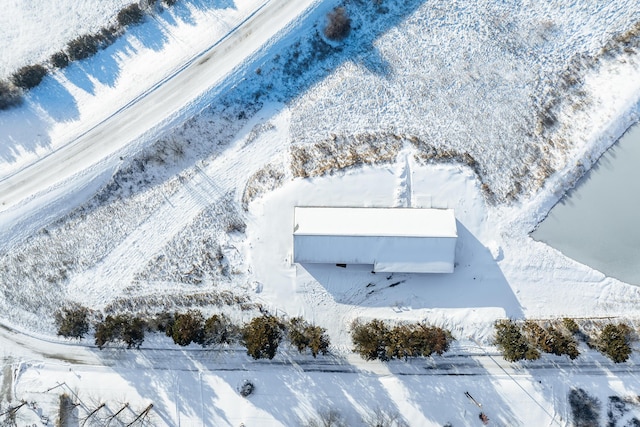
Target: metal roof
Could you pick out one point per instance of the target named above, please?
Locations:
(402, 222)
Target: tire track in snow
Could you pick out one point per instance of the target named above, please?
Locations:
(208, 186)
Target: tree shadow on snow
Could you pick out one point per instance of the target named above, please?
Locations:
(477, 281)
(23, 129)
(422, 391)
(27, 128)
(152, 35)
(183, 11)
(56, 100)
(296, 396)
(555, 376)
(171, 380)
(86, 75)
(444, 396)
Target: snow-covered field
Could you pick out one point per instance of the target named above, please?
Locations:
(488, 108)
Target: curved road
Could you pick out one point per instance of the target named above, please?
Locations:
(155, 109)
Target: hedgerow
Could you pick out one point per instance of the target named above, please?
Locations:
(376, 340)
(29, 76)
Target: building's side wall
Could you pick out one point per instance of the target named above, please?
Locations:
(388, 253)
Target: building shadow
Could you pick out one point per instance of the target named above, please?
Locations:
(464, 387)
(477, 282)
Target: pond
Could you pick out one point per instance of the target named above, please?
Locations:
(597, 222)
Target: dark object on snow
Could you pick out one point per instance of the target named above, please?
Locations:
(10, 96)
(246, 388)
(466, 393)
(339, 24)
(130, 15)
(483, 417)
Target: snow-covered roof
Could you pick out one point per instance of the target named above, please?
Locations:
(389, 239)
(405, 222)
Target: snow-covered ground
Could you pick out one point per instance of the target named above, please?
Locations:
(370, 122)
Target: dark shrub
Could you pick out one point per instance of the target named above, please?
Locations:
(262, 336)
(339, 24)
(108, 35)
(512, 342)
(297, 337)
(107, 331)
(305, 336)
(419, 340)
(83, 47)
(59, 60)
(130, 15)
(29, 76)
(160, 322)
(585, 409)
(562, 343)
(218, 329)
(10, 95)
(551, 340)
(133, 332)
(371, 340)
(318, 340)
(72, 322)
(571, 325)
(187, 328)
(416, 340)
(402, 342)
(121, 327)
(615, 342)
(375, 340)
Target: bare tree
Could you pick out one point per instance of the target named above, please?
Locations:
(327, 418)
(142, 416)
(380, 418)
(92, 413)
(118, 412)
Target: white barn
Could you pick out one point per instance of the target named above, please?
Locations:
(390, 239)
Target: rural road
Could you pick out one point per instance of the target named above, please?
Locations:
(153, 109)
(468, 361)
